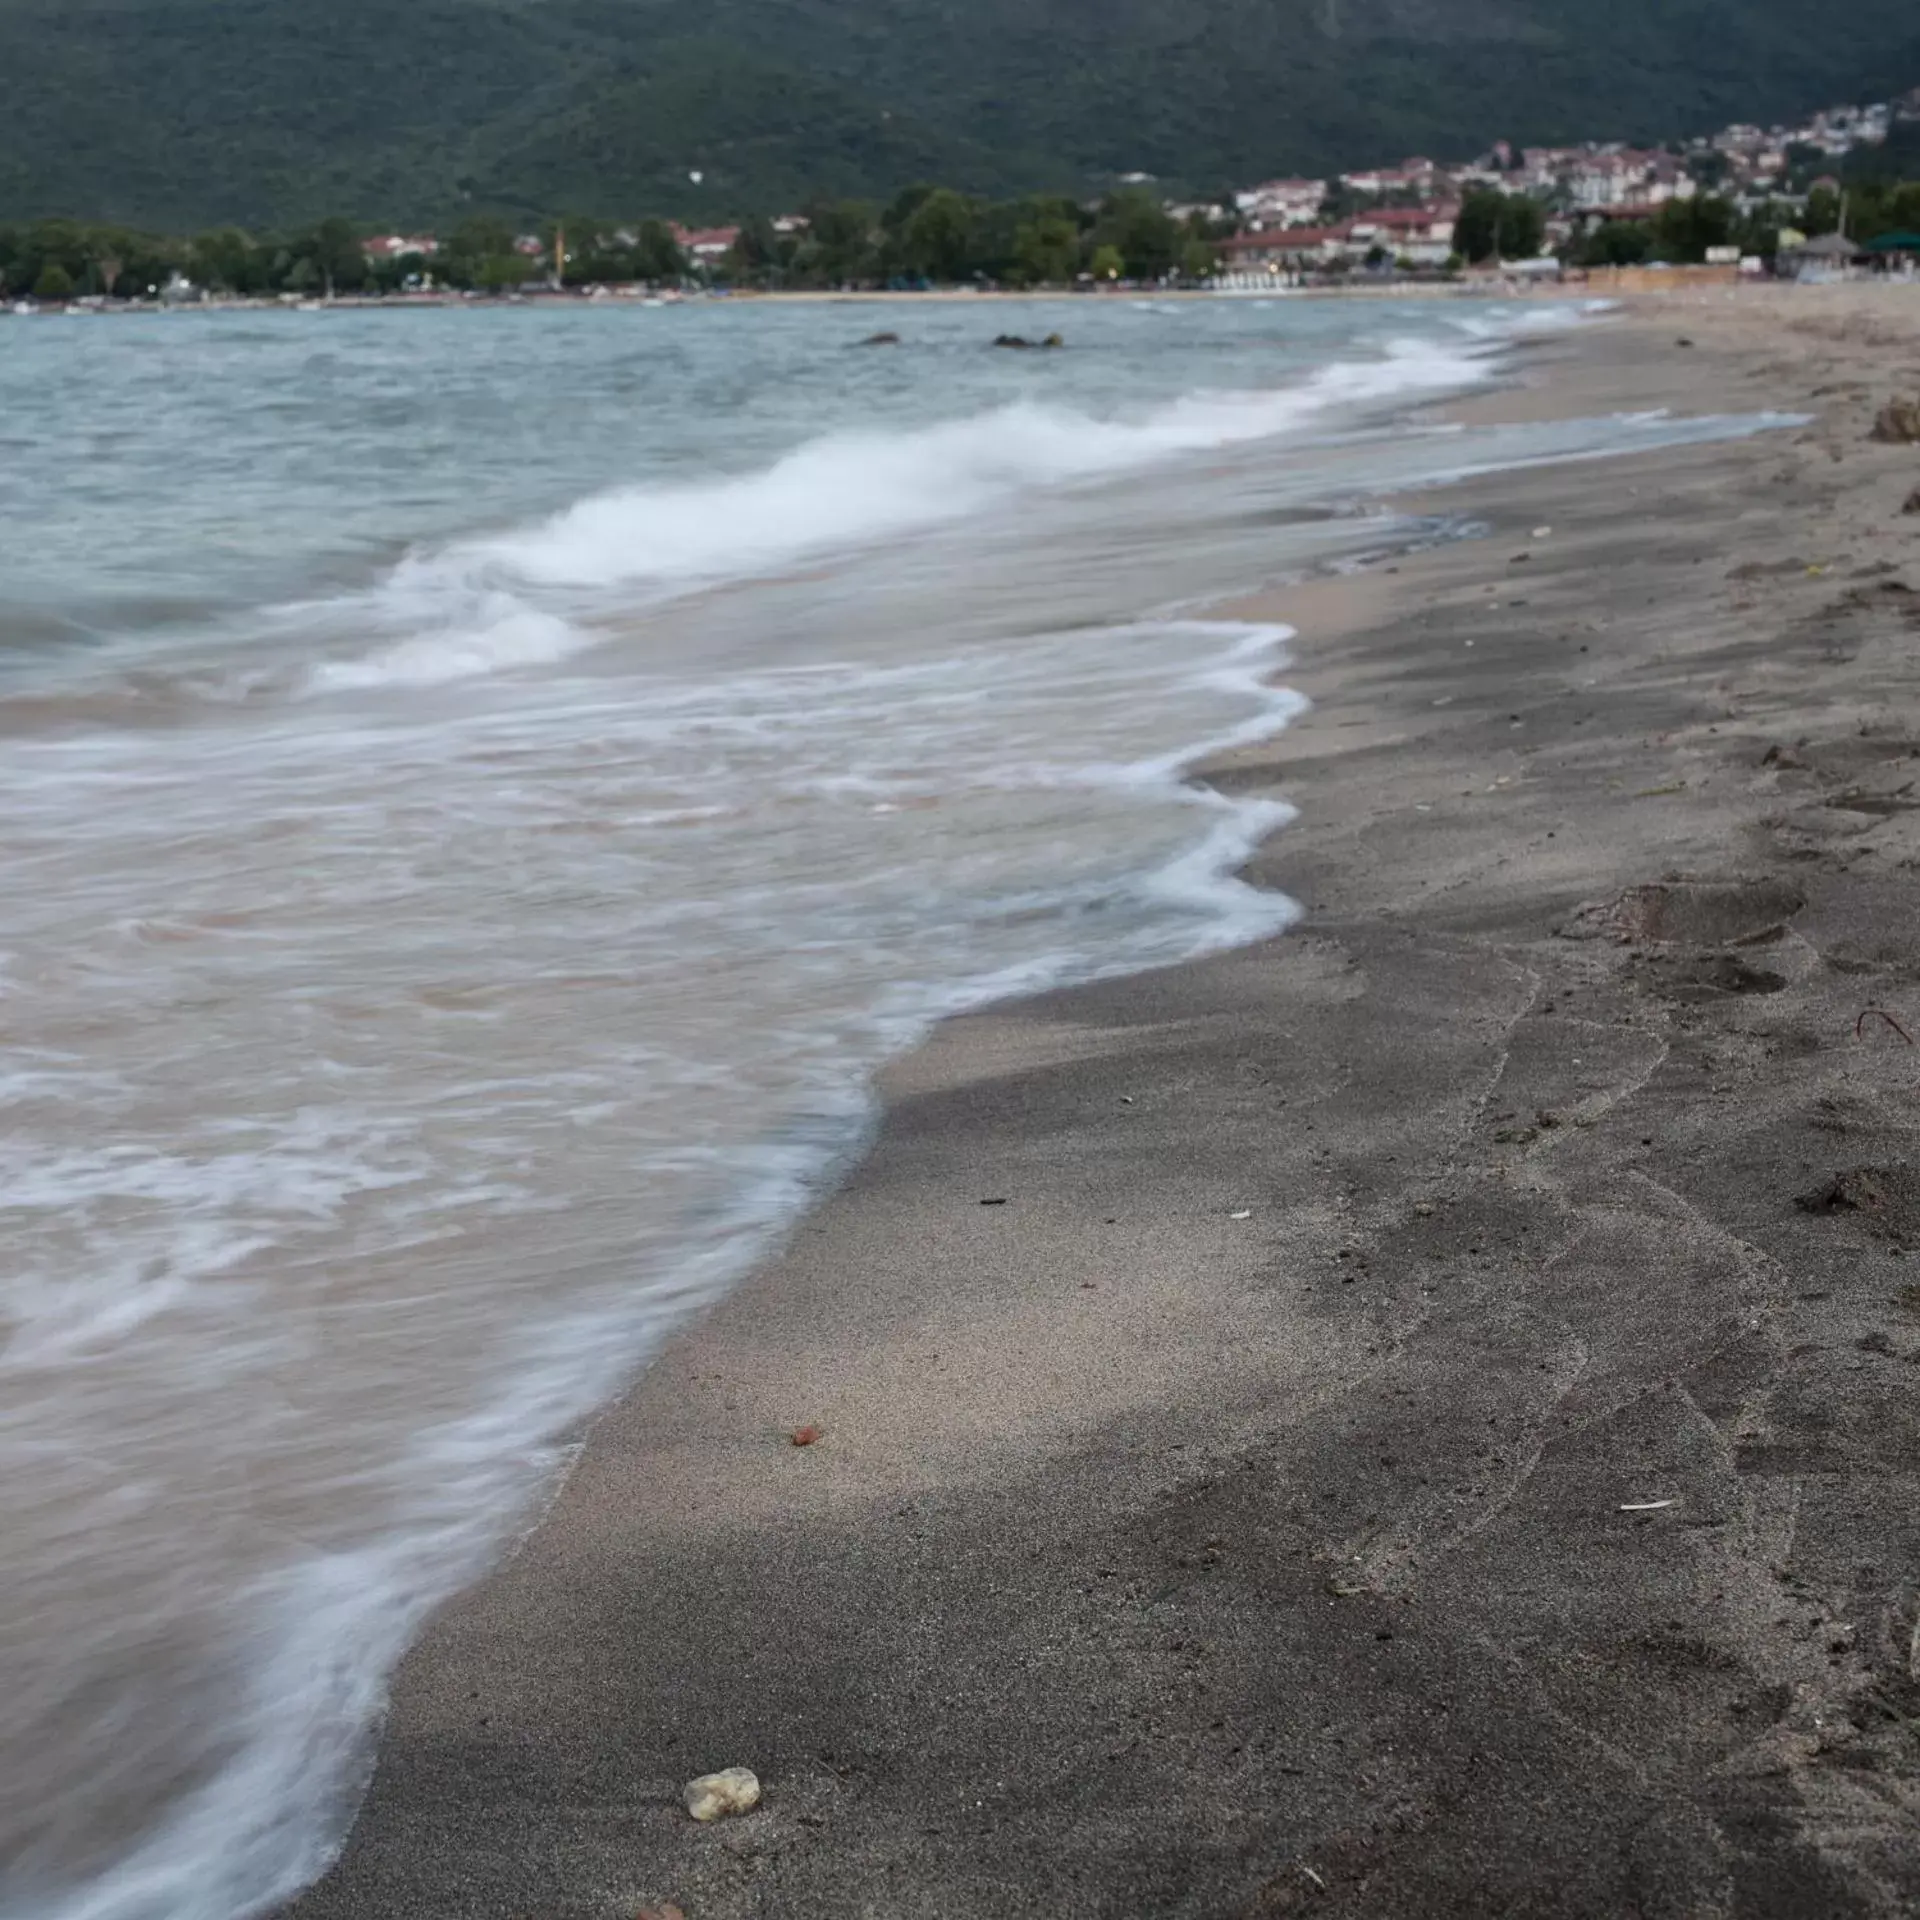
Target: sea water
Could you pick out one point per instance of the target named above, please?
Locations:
(481, 792)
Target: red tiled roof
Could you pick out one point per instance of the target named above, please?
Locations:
(1408, 217)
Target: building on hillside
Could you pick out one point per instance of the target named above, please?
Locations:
(1611, 176)
(1545, 169)
(1423, 235)
(396, 246)
(1281, 203)
(1285, 249)
(1623, 213)
(705, 246)
(1415, 177)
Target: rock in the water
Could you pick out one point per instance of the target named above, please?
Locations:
(715, 1795)
(1913, 502)
(1018, 340)
(881, 340)
(1053, 340)
(1898, 423)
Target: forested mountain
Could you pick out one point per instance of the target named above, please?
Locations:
(181, 113)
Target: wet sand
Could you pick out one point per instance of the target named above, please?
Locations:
(1427, 1422)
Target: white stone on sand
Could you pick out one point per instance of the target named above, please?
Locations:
(715, 1795)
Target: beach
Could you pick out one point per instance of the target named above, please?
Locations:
(1412, 1417)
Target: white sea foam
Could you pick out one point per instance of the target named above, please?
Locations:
(450, 1048)
(317, 1635)
(526, 597)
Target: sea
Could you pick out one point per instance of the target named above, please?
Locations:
(482, 791)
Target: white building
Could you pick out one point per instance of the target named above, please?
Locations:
(1410, 176)
(1282, 203)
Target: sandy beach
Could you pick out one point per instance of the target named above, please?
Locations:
(1415, 1418)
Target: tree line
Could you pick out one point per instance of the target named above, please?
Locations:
(1497, 226)
(924, 236)
(1683, 231)
(61, 259)
(930, 235)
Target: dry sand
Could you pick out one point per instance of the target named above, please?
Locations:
(1516, 1512)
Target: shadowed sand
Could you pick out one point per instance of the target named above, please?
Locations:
(1516, 1512)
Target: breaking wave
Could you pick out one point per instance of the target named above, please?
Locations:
(528, 596)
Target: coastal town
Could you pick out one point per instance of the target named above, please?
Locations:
(1412, 210)
(1834, 193)
(1408, 215)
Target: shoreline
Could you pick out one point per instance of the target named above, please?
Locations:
(1245, 1496)
(884, 296)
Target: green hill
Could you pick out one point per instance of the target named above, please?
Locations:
(182, 113)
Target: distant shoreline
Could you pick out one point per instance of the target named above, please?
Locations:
(434, 303)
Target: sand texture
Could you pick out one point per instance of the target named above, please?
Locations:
(1517, 1511)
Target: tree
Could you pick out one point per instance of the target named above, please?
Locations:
(480, 236)
(499, 271)
(843, 231)
(1108, 263)
(1477, 231)
(656, 253)
(1759, 233)
(1142, 231)
(1685, 229)
(1522, 229)
(1804, 159)
(1047, 250)
(62, 243)
(480, 253)
(337, 256)
(755, 253)
(1823, 212)
(1619, 243)
(224, 258)
(54, 283)
(1197, 260)
(905, 204)
(939, 236)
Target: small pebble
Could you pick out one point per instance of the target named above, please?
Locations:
(715, 1795)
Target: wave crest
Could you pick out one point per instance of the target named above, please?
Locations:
(525, 597)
